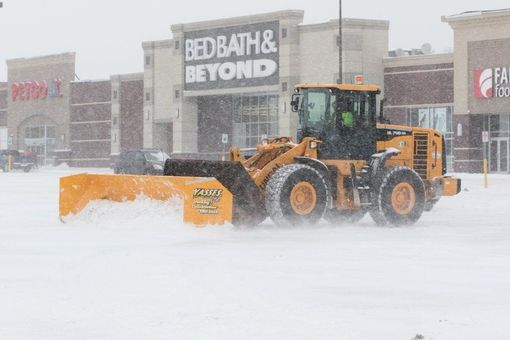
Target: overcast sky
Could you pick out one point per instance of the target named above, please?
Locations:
(107, 34)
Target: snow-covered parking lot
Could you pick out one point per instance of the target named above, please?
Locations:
(133, 271)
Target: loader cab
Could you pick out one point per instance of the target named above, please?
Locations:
(343, 117)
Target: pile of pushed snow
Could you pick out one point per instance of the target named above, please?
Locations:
(62, 165)
(130, 214)
(143, 213)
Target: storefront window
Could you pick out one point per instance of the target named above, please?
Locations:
(41, 141)
(423, 117)
(253, 118)
(499, 144)
(38, 132)
(499, 125)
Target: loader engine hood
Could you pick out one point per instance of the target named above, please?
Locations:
(387, 132)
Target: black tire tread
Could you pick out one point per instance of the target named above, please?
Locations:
(380, 214)
(275, 186)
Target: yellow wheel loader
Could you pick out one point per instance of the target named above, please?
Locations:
(345, 163)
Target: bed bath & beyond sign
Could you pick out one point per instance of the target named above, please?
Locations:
(232, 56)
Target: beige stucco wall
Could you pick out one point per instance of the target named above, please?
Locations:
(487, 26)
(161, 79)
(365, 43)
(308, 53)
(289, 72)
(49, 111)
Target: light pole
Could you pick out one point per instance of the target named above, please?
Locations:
(340, 58)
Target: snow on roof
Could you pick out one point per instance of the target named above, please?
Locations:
(471, 14)
(89, 81)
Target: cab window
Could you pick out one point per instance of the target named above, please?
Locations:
(355, 108)
(317, 108)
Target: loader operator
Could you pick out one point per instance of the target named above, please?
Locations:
(347, 119)
(346, 115)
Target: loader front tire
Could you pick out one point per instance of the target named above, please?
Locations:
(296, 194)
(398, 198)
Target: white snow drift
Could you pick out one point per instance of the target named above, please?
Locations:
(133, 270)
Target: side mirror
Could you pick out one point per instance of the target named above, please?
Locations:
(295, 102)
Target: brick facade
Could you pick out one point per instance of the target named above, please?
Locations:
(131, 114)
(418, 81)
(90, 123)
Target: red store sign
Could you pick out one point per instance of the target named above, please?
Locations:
(492, 83)
(34, 90)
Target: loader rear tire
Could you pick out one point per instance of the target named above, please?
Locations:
(398, 198)
(296, 194)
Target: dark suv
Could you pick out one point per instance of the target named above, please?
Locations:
(18, 161)
(141, 162)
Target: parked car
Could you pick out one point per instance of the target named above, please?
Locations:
(141, 162)
(18, 161)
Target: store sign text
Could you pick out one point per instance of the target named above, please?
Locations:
(492, 83)
(36, 90)
(243, 55)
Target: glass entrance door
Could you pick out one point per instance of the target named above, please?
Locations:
(40, 140)
(38, 154)
(499, 155)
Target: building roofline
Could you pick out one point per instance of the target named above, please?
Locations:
(347, 23)
(476, 15)
(127, 76)
(241, 20)
(435, 57)
(89, 81)
(423, 59)
(70, 56)
(149, 45)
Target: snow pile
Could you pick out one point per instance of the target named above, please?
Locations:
(140, 213)
(62, 166)
(143, 214)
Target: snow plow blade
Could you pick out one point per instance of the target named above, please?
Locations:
(206, 201)
(248, 200)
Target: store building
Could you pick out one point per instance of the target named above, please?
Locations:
(38, 104)
(44, 109)
(228, 82)
(482, 89)
(465, 94)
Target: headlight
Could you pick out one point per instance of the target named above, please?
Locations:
(157, 167)
(313, 145)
